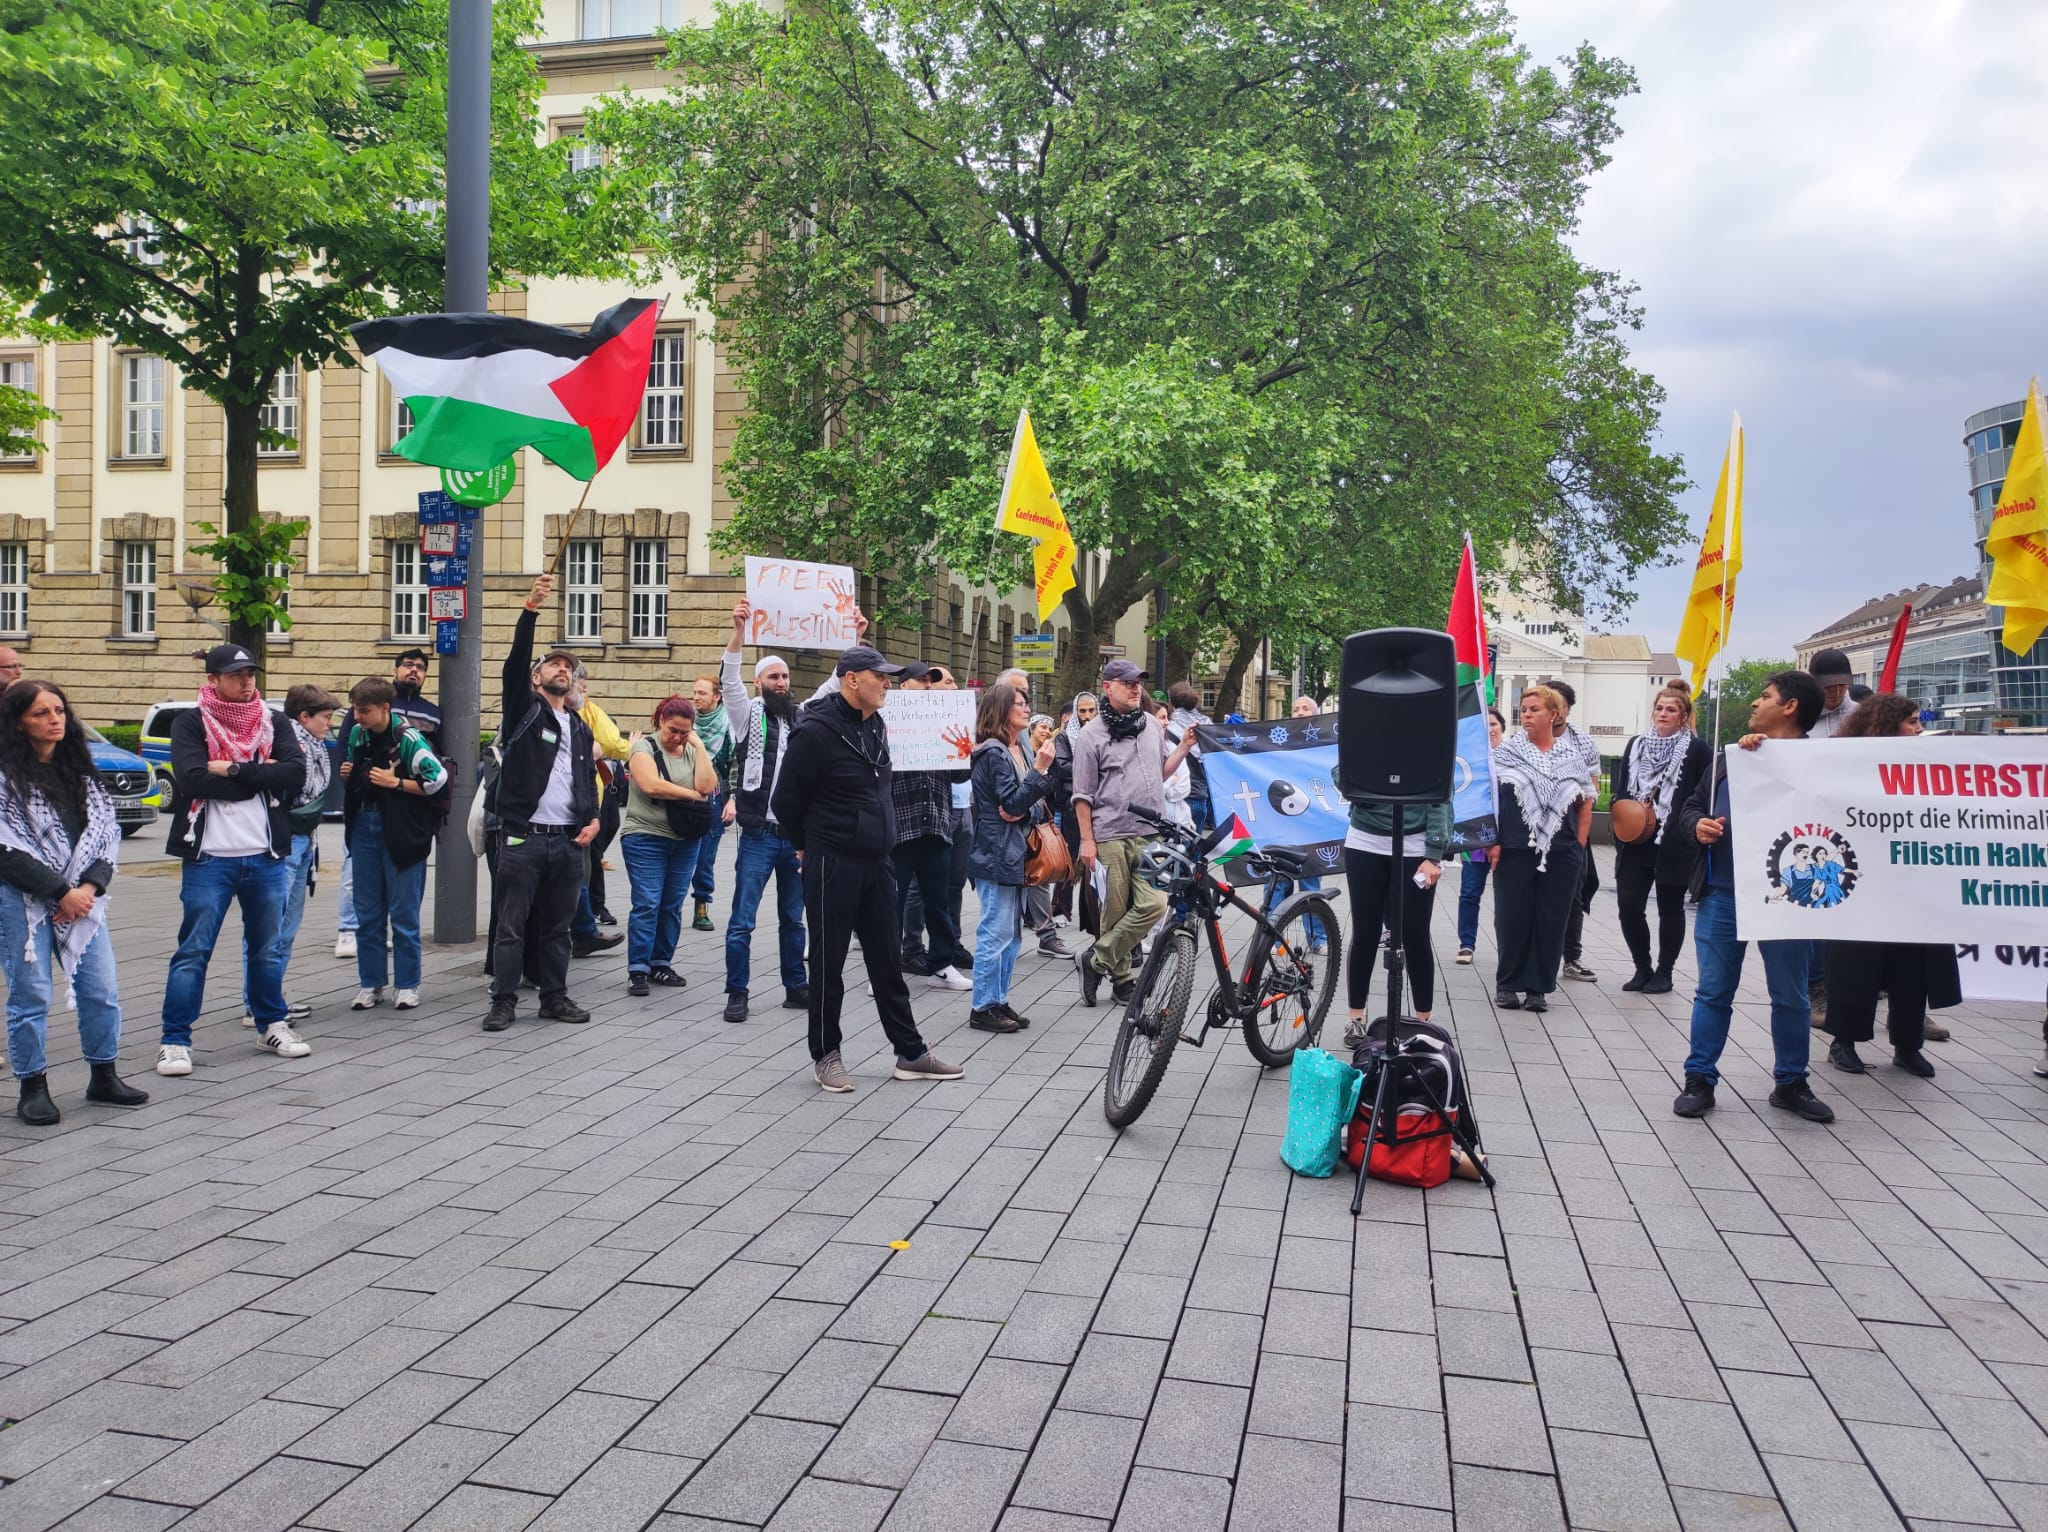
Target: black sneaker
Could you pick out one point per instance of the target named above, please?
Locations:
(664, 975)
(796, 1000)
(990, 1019)
(1799, 1097)
(562, 1008)
(1091, 976)
(1011, 1011)
(1507, 1000)
(1697, 1099)
(590, 946)
(605, 918)
(1636, 981)
(1914, 1062)
(1574, 969)
(1122, 990)
(1845, 1058)
(1535, 1002)
(735, 1005)
(914, 961)
(503, 1009)
(636, 983)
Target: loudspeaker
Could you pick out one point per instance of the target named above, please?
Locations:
(1397, 731)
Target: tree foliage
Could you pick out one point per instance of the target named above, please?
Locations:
(1284, 284)
(230, 184)
(20, 413)
(1738, 690)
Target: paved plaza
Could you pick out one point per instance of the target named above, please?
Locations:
(643, 1274)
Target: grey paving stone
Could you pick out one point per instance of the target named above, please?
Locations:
(408, 1482)
(1584, 1392)
(941, 1356)
(1789, 1416)
(1393, 1367)
(1829, 1497)
(1671, 1363)
(1194, 1428)
(985, 1289)
(618, 1494)
(1496, 1425)
(778, 1335)
(887, 1310)
(1708, 1510)
(46, 1495)
(1999, 1439)
(1114, 1375)
(1158, 1501)
(957, 1488)
(1300, 1397)
(1308, 1324)
(203, 1467)
(1480, 1344)
(1927, 1474)
(382, 1418)
(1612, 1483)
(109, 1514)
(547, 1456)
(1399, 1456)
(1864, 1385)
(275, 1496)
(1748, 1338)
(1005, 1404)
(753, 1471)
(1703, 1446)
(1079, 1464)
(829, 1381)
(479, 1508)
(1045, 1327)
(696, 1420)
(1510, 1502)
(818, 1505)
(1143, 1304)
(1287, 1483)
(884, 1438)
(1382, 1516)
(1215, 1347)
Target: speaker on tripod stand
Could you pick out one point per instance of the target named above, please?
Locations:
(1397, 744)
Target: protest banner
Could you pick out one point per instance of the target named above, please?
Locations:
(799, 605)
(2003, 972)
(1279, 777)
(1475, 800)
(1913, 839)
(930, 731)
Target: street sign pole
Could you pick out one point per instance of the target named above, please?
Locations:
(467, 214)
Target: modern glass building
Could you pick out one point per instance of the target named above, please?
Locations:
(2019, 680)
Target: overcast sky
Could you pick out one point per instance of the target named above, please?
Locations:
(1837, 212)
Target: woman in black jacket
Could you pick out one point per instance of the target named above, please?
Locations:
(1546, 813)
(1009, 797)
(58, 838)
(1659, 769)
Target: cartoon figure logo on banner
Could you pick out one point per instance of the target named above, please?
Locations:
(1811, 867)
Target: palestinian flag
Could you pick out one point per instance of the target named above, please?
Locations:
(1467, 628)
(481, 386)
(1237, 840)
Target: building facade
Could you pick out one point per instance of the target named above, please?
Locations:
(1615, 675)
(100, 591)
(1946, 663)
(2019, 681)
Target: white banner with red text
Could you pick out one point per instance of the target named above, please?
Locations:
(1921, 838)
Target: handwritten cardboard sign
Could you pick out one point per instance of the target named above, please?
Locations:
(800, 605)
(930, 731)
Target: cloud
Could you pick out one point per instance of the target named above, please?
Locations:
(1835, 212)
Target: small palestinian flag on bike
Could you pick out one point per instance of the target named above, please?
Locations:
(1237, 840)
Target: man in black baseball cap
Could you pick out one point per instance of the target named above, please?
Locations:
(1831, 668)
(833, 800)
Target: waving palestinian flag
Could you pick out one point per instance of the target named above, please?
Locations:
(481, 386)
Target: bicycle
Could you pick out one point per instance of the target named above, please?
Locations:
(1280, 1001)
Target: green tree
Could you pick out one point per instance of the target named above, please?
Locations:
(231, 184)
(1740, 686)
(1284, 284)
(20, 413)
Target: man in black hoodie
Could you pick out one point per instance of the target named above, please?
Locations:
(832, 799)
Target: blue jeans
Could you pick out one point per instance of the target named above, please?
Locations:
(385, 891)
(997, 940)
(659, 868)
(765, 851)
(298, 866)
(1471, 889)
(346, 920)
(209, 885)
(29, 982)
(701, 885)
(1283, 888)
(1713, 1005)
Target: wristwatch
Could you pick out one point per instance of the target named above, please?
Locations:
(234, 768)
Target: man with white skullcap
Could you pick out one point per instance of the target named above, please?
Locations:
(760, 725)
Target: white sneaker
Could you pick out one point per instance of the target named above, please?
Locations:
(368, 996)
(950, 978)
(248, 1020)
(407, 1000)
(345, 945)
(294, 1010)
(284, 1042)
(171, 1059)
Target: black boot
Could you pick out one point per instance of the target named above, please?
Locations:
(37, 1109)
(1636, 981)
(1659, 983)
(110, 1089)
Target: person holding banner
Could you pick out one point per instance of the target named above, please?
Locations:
(1546, 815)
(1914, 977)
(1659, 770)
(1790, 702)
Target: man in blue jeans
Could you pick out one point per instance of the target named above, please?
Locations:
(760, 727)
(1790, 703)
(237, 766)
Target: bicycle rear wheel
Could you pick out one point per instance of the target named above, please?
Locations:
(1293, 985)
(1150, 1027)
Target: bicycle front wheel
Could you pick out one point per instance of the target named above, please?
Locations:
(1294, 983)
(1150, 1027)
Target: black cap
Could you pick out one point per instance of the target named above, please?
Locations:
(915, 670)
(226, 659)
(1830, 667)
(1123, 670)
(861, 657)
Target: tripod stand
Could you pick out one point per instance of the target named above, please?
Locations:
(1392, 1076)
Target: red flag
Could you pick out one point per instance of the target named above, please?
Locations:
(1467, 628)
(1890, 675)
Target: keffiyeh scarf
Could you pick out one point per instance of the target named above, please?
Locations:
(32, 826)
(1074, 718)
(714, 729)
(319, 766)
(1655, 766)
(235, 731)
(1546, 782)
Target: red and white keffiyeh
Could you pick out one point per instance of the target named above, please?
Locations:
(235, 731)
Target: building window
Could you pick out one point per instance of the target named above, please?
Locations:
(281, 411)
(142, 406)
(18, 372)
(138, 590)
(648, 595)
(583, 592)
(14, 588)
(401, 421)
(629, 18)
(141, 241)
(665, 407)
(408, 591)
(1986, 496)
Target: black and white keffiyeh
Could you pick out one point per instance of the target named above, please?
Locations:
(1546, 782)
(32, 826)
(319, 766)
(1656, 762)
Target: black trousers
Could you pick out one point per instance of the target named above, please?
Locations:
(1902, 976)
(610, 812)
(1575, 922)
(538, 877)
(1635, 875)
(1366, 876)
(1530, 909)
(842, 899)
(925, 863)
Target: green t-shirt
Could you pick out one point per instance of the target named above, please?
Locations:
(649, 816)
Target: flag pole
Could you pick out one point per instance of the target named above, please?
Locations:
(561, 552)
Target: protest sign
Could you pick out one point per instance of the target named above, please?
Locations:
(1279, 776)
(798, 605)
(930, 731)
(2003, 972)
(1913, 839)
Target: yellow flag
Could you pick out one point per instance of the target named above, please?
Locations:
(1030, 509)
(1710, 606)
(2016, 543)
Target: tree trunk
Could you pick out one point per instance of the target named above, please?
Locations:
(1132, 572)
(1233, 675)
(244, 421)
(1183, 656)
